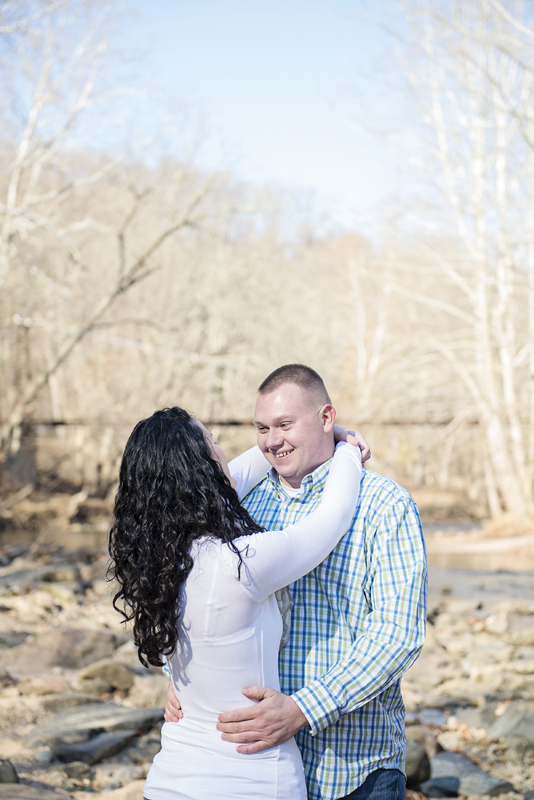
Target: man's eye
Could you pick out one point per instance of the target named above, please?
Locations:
(285, 425)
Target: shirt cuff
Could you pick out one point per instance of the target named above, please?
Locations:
(318, 705)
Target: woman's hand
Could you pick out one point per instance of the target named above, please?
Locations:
(355, 438)
(173, 709)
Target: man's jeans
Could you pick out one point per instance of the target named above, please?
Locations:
(383, 784)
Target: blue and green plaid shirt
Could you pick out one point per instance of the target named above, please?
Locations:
(358, 623)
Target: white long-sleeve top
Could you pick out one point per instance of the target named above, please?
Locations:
(228, 638)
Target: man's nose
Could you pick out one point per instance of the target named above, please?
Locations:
(274, 438)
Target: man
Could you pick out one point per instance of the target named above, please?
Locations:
(358, 619)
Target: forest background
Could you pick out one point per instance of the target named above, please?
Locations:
(133, 277)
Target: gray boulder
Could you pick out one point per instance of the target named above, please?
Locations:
(517, 720)
(424, 736)
(483, 717)
(8, 773)
(441, 787)
(61, 702)
(77, 770)
(97, 748)
(21, 791)
(20, 580)
(80, 722)
(433, 716)
(519, 750)
(417, 763)
(454, 773)
(71, 648)
(105, 676)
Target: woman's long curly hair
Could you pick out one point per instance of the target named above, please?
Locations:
(171, 492)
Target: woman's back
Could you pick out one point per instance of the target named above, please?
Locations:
(226, 641)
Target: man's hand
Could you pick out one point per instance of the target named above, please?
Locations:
(173, 709)
(272, 721)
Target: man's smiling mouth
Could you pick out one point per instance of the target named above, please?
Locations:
(280, 456)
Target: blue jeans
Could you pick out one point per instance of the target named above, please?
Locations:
(383, 784)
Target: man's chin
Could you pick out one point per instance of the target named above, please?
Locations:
(286, 472)
(282, 467)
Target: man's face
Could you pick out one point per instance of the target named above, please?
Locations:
(295, 431)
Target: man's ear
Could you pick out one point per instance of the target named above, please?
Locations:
(328, 417)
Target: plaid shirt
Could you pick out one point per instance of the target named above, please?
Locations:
(357, 625)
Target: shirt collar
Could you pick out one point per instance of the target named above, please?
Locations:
(311, 483)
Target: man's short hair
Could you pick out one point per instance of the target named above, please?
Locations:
(300, 374)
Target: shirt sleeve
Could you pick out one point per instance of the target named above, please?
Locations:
(273, 559)
(248, 469)
(393, 632)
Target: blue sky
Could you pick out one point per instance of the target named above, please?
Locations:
(283, 86)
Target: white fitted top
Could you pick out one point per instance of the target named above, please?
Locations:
(228, 638)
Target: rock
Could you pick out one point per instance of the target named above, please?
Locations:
(5, 678)
(63, 573)
(431, 668)
(519, 750)
(138, 755)
(18, 581)
(432, 716)
(450, 740)
(417, 763)
(149, 689)
(109, 673)
(95, 717)
(43, 600)
(13, 639)
(425, 737)
(441, 787)
(524, 635)
(440, 701)
(50, 684)
(529, 795)
(70, 648)
(63, 593)
(125, 774)
(468, 692)
(62, 702)
(13, 749)
(517, 720)
(151, 742)
(483, 717)
(21, 791)
(77, 770)
(96, 687)
(454, 773)
(44, 756)
(524, 666)
(127, 654)
(134, 791)
(8, 773)
(101, 746)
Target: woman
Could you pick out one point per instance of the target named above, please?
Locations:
(197, 576)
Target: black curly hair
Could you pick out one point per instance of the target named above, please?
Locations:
(171, 492)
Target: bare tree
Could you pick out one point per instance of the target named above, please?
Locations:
(46, 223)
(473, 88)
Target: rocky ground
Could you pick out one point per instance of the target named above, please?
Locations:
(79, 715)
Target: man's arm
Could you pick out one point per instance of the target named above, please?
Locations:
(392, 637)
(394, 631)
